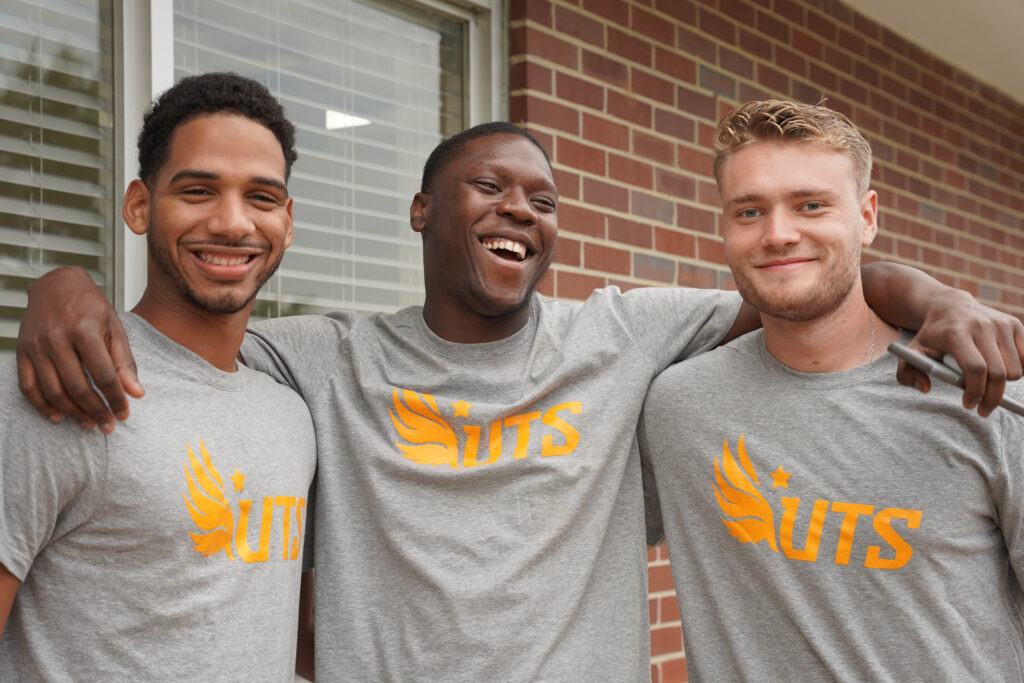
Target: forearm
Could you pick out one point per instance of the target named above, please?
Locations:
(902, 296)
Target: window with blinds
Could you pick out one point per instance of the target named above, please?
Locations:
(57, 200)
(372, 87)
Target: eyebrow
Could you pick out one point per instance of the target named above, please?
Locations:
(497, 166)
(795, 194)
(192, 174)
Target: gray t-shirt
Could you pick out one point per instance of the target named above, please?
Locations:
(479, 508)
(836, 525)
(169, 550)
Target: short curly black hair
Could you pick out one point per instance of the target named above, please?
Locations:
(453, 146)
(210, 93)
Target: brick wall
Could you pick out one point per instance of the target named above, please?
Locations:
(626, 93)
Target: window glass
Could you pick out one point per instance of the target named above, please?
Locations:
(56, 146)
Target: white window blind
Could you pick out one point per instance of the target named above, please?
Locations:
(56, 146)
(372, 87)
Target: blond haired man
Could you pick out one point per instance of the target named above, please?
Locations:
(824, 522)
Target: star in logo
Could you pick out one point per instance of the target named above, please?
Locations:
(462, 408)
(780, 478)
(238, 479)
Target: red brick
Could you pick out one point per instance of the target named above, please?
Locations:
(533, 10)
(770, 25)
(677, 66)
(683, 10)
(806, 43)
(716, 25)
(580, 156)
(674, 242)
(738, 11)
(611, 72)
(579, 219)
(610, 196)
(630, 171)
(695, 160)
(674, 671)
(615, 11)
(601, 131)
(528, 40)
(567, 252)
(695, 43)
(630, 232)
(665, 640)
(692, 218)
(579, 91)
(697, 276)
(654, 208)
(755, 44)
(668, 610)
(529, 75)
(576, 285)
(629, 108)
(710, 250)
(790, 61)
(654, 148)
(674, 184)
(648, 267)
(568, 183)
(630, 47)
(652, 27)
(735, 63)
(696, 103)
(821, 26)
(606, 259)
(578, 26)
(651, 86)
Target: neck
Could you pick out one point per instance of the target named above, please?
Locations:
(214, 337)
(473, 328)
(851, 336)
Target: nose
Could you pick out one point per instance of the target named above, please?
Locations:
(516, 205)
(232, 219)
(778, 231)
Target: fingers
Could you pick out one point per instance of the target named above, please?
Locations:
(124, 362)
(64, 384)
(28, 382)
(909, 376)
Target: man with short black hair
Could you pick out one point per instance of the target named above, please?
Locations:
(171, 549)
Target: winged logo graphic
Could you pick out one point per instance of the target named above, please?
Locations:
(749, 517)
(428, 439)
(207, 505)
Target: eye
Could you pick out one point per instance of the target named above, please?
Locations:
(487, 185)
(814, 206)
(748, 214)
(264, 198)
(546, 205)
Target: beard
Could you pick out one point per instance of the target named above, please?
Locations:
(810, 302)
(221, 303)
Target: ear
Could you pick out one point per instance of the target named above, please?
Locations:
(291, 226)
(137, 206)
(869, 214)
(419, 211)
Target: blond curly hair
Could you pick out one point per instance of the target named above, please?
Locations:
(778, 120)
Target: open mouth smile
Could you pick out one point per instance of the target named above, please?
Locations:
(505, 248)
(224, 259)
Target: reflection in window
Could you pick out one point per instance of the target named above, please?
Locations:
(56, 146)
(372, 87)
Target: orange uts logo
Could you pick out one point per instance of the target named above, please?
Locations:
(750, 518)
(427, 438)
(210, 511)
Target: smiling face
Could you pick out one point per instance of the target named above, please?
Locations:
(794, 224)
(218, 216)
(489, 227)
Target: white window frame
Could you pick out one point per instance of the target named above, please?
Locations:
(145, 57)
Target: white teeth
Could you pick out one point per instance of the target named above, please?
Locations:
(498, 243)
(216, 260)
